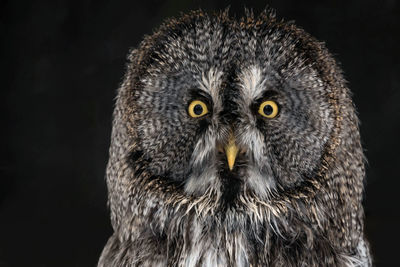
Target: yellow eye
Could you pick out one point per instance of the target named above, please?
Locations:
(268, 109)
(197, 109)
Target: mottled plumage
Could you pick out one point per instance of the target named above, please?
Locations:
(293, 197)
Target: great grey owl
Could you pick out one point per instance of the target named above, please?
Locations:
(235, 143)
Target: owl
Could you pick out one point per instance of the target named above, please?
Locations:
(235, 142)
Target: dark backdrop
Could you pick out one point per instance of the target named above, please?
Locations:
(61, 63)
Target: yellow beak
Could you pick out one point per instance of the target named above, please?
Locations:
(231, 151)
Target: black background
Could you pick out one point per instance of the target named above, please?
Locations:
(61, 63)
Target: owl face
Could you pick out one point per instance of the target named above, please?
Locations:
(234, 143)
(231, 108)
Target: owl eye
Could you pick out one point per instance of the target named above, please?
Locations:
(268, 109)
(197, 109)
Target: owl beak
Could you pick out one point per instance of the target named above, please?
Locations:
(231, 151)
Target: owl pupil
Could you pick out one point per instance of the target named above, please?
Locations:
(268, 109)
(198, 109)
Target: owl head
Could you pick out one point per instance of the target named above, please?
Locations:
(219, 114)
(234, 140)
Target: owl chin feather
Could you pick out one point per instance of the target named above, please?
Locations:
(293, 196)
(214, 173)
